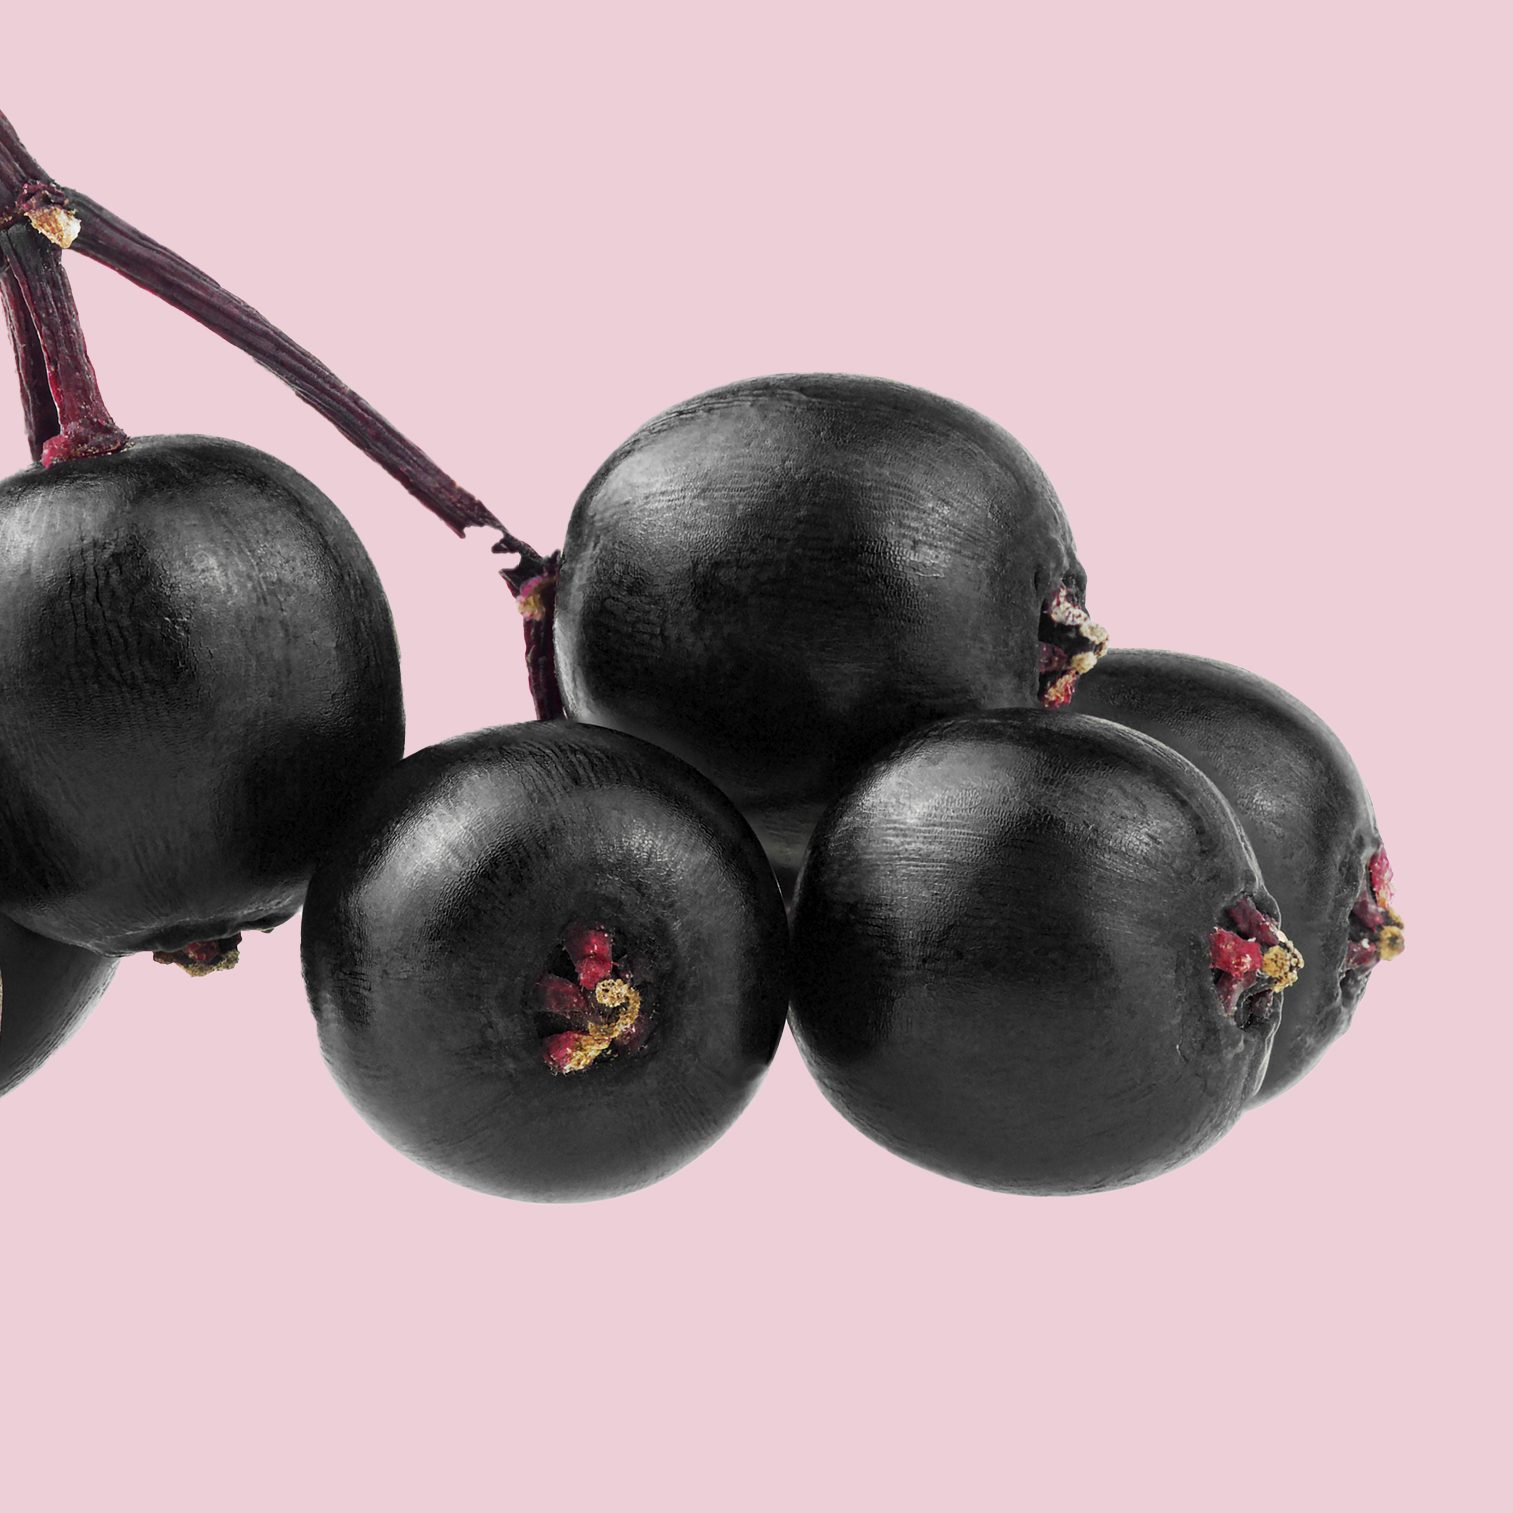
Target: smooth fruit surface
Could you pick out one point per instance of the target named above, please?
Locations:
(1297, 793)
(778, 577)
(198, 676)
(548, 961)
(46, 989)
(1004, 961)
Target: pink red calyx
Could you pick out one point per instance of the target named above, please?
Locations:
(592, 953)
(1070, 645)
(564, 1000)
(202, 957)
(1252, 924)
(1234, 956)
(1252, 961)
(1376, 928)
(1360, 955)
(601, 1012)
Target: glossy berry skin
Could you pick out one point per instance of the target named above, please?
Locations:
(1297, 793)
(777, 578)
(46, 989)
(1001, 954)
(437, 945)
(198, 676)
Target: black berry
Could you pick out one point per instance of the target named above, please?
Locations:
(1026, 954)
(1297, 793)
(777, 578)
(198, 677)
(548, 961)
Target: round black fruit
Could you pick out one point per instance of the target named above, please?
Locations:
(198, 676)
(777, 578)
(1033, 952)
(1307, 813)
(547, 961)
(46, 989)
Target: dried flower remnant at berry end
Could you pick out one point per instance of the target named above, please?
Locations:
(202, 957)
(1252, 962)
(599, 1013)
(1376, 928)
(1070, 646)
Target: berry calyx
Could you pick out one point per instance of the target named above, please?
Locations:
(577, 1050)
(1252, 961)
(592, 953)
(1376, 928)
(1070, 645)
(602, 1009)
(202, 957)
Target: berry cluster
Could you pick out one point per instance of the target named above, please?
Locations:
(827, 736)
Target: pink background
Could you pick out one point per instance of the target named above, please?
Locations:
(1240, 285)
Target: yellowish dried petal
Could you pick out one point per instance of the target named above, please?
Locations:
(1282, 963)
(205, 968)
(612, 992)
(57, 223)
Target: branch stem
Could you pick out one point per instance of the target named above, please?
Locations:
(109, 240)
(66, 417)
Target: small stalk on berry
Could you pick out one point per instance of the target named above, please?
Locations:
(38, 411)
(85, 427)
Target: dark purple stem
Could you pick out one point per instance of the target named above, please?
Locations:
(25, 185)
(111, 241)
(37, 406)
(17, 169)
(17, 165)
(85, 428)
